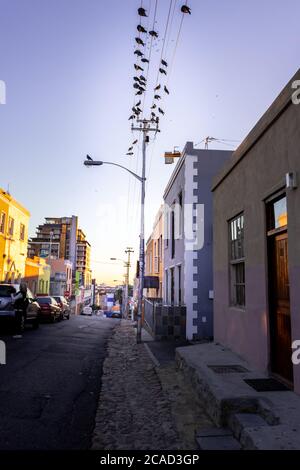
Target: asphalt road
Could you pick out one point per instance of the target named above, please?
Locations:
(50, 385)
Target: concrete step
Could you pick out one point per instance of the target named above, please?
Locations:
(216, 439)
(259, 420)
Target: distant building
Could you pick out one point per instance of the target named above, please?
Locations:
(14, 220)
(37, 275)
(83, 259)
(61, 277)
(188, 263)
(257, 243)
(60, 238)
(154, 256)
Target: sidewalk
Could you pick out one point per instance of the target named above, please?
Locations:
(145, 402)
(134, 412)
(266, 420)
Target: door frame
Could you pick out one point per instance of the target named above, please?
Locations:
(270, 240)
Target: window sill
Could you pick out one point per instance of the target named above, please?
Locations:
(238, 308)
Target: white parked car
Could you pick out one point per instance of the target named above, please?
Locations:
(87, 310)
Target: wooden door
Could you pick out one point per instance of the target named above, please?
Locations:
(279, 292)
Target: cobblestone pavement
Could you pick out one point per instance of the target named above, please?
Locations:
(134, 412)
(143, 407)
(186, 407)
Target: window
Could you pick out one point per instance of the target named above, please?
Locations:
(237, 261)
(181, 216)
(160, 247)
(173, 233)
(172, 286)
(11, 225)
(166, 287)
(22, 232)
(179, 285)
(2, 222)
(277, 214)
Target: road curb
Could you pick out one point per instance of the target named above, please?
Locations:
(151, 355)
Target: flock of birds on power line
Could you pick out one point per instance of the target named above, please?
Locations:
(141, 67)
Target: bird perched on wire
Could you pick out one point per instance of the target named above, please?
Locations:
(130, 148)
(154, 34)
(141, 77)
(153, 114)
(186, 9)
(139, 92)
(137, 67)
(138, 103)
(139, 41)
(162, 71)
(157, 87)
(161, 111)
(142, 12)
(142, 88)
(153, 106)
(166, 90)
(138, 110)
(131, 117)
(135, 142)
(136, 85)
(141, 29)
(157, 97)
(145, 60)
(138, 53)
(129, 153)
(164, 63)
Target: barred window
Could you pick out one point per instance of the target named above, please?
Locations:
(237, 261)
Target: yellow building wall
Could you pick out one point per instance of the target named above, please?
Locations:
(13, 250)
(37, 275)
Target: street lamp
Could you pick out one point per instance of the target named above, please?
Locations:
(100, 163)
(142, 179)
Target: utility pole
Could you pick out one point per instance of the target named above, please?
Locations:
(145, 128)
(128, 251)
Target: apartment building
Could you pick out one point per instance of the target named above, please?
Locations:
(61, 238)
(188, 238)
(14, 221)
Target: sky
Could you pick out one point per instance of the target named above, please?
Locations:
(68, 67)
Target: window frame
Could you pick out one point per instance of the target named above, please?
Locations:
(2, 221)
(22, 231)
(11, 226)
(236, 255)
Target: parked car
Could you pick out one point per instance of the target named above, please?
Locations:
(64, 305)
(87, 310)
(8, 310)
(116, 314)
(112, 313)
(50, 309)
